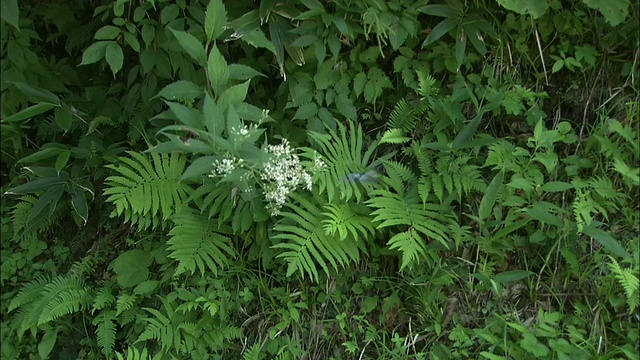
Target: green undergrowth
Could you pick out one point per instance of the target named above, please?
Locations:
(353, 179)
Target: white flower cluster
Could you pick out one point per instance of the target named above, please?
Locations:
(282, 174)
(225, 166)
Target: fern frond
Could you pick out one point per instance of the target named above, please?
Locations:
(253, 352)
(411, 246)
(103, 299)
(341, 220)
(196, 242)
(403, 117)
(134, 354)
(160, 328)
(142, 188)
(426, 85)
(628, 279)
(342, 154)
(106, 331)
(125, 302)
(42, 301)
(307, 244)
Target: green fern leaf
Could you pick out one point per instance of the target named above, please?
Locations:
(411, 245)
(341, 220)
(403, 117)
(143, 188)
(342, 154)
(124, 303)
(106, 331)
(306, 243)
(196, 242)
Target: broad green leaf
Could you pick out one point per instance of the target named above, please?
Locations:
(61, 160)
(48, 200)
(114, 57)
(461, 46)
(439, 30)
(148, 34)
(190, 117)
(345, 106)
(535, 8)
(243, 72)
(214, 120)
(36, 185)
(234, 95)
(614, 11)
(215, 20)
(306, 111)
(511, 276)
(29, 112)
(359, 83)
(79, 203)
(469, 130)
(607, 241)
(107, 32)
(556, 186)
(94, 53)
(541, 213)
(199, 167)
(10, 13)
(36, 93)
(48, 342)
(132, 41)
(146, 287)
(218, 70)
(191, 46)
(132, 267)
(64, 118)
(489, 198)
(181, 90)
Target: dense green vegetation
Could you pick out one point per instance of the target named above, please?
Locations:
(305, 179)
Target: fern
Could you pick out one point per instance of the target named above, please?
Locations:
(426, 85)
(103, 299)
(196, 242)
(253, 352)
(160, 329)
(403, 117)
(342, 153)
(143, 188)
(44, 300)
(106, 331)
(124, 303)
(343, 221)
(134, 354)
(403, 209)
(628, 279)
(306, 243)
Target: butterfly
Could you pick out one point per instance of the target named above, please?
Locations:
(369, 176)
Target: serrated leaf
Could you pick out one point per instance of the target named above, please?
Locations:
(306, 111)
(191, 46)
(215, 20)
(614, 11)
(218, 70)
(535, 8)
(359, 82)
(243, 72)
(180, 90)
